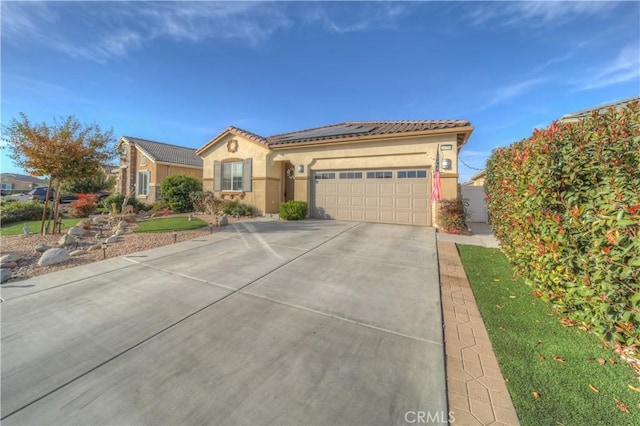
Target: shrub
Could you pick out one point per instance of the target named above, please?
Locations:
(293, 210)
(175, 191)
(236, 208)
(452, 216)
(206, 202)
(565, 205)
(85, 205)
(118, 199)
(158, 206)
(16, 211)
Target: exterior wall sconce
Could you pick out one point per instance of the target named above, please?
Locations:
(446, 164)
(300, 168)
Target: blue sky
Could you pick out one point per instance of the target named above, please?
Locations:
(183, 72)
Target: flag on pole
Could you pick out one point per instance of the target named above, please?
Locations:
(436, 189)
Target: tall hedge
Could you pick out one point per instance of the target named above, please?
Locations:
(565, 205)
(176, 191)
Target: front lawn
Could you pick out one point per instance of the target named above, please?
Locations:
(168, 224)
(34, 226)
(555, 374)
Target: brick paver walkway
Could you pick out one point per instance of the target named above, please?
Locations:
(476, 389)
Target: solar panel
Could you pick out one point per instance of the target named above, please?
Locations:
(329, 131)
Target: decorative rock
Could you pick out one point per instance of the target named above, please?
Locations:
(67, 240)
(111, 239)
(54, 256)
(8, 265)
(97, 220)
(119, 232)
(12, 257)
(41, 248)
(5, 275)
(157, 214)
(130, 218)
(84, 224)
(224, 221)
(97, 246)
(77, 253)
(122, 224)
(77, 231)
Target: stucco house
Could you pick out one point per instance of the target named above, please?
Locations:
(144, 163)
(16, 182)
(378, 171)
(477, 179)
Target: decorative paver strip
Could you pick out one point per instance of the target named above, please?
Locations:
(476, 389)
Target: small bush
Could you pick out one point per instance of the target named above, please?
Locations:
(293, 210)
(158, 206)
(206, 202)
(86, 205)
(236, 208)
(118, 199)
(176, 192)
(452, 216)
(15, 211)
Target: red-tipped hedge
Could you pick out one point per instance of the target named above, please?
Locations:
(565, 205)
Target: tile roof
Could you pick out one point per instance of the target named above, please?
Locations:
(600, 108)
(166, 153)
(363, 128)
(23, 178)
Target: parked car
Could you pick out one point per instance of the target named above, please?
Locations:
(37, 194)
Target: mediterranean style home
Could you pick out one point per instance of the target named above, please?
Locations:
(19, 183)
(144, 163)
(376, 171)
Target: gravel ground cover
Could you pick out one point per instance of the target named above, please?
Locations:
(128, 243)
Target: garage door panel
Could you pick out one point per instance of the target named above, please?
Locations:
(386, 203)
(390, 196)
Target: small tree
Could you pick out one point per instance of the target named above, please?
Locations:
(63, 151)
(176, 192)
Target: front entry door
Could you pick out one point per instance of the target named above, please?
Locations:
(289, 181)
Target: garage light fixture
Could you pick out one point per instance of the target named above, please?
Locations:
(446, 164)
(300, 168)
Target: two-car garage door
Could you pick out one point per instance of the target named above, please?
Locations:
(384, 195)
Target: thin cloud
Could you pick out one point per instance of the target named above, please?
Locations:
(534, 13)
(624, 68)
(110, 30)
(507, 93)
(364, 18)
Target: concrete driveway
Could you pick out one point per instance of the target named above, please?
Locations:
(312, 322)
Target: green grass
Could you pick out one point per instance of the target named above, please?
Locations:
(168, 224)
(537, 354)
(34, 226)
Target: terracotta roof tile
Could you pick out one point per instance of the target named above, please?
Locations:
(362, 128)
(166, 153)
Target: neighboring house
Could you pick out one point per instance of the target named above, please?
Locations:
(19, 183)
(144, 163)
(377, 171)
(578, 115)
(477, 179)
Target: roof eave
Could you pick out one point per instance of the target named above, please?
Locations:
(465, 130)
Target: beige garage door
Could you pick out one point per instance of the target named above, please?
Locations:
(384, 195)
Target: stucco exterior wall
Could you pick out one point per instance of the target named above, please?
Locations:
(267, 173)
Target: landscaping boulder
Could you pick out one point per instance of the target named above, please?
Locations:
(77, 253)
(41, 248)
(67, 240)
(99, 220)
(12, 257)
(97, 246)
(120, 232)
(8, 265)
(122, 224)
(5, 275)
(224, 221)
(130, 218)
(111, 239)
(77, 231)
(54, 256)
